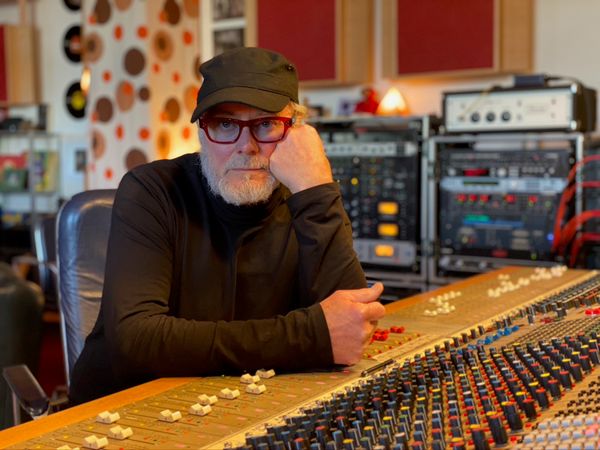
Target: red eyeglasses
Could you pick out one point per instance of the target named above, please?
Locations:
(225, 130)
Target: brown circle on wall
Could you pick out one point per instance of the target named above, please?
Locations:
(104, 109)
(172, 110)
(196, 68)
(144, 93)
(134, 158)
(98, 144)
(163, 144)
(190, 7)
(134, 61)
(172, 12)
(102, 11)
(162, 45)
(93, 47)
(189, 98)
(125, 95)
(122, 5)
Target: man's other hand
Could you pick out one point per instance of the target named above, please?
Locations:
(351, 317)
(299, 161)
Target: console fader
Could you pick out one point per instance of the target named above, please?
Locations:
(508, 359)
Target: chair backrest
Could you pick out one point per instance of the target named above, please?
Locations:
(83, 226)
(44, 244)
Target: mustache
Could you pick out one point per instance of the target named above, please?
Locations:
(247, 162)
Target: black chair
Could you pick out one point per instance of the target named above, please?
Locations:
(82, 229)
(21, 308)
(41, 266)
(83, 226)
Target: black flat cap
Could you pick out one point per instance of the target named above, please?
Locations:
(255, 77)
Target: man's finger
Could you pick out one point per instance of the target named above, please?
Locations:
(373, 311)
(366, 295)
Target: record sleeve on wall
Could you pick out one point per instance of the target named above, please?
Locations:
(75, 100)
(72, 43)
(73, 5)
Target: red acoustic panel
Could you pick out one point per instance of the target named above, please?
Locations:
(302, 31)
(3, 68)
(435, 36)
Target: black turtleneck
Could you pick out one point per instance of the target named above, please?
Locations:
(197, 286)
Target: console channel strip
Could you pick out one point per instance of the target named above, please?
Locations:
(513, 364)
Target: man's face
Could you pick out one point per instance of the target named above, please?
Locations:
(239, 172)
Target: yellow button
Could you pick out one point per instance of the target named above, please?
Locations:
(384, 251)
(389, 208)
(387, 229)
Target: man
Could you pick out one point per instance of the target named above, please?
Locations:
(236, 260)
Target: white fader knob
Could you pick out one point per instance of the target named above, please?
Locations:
(107, 417)
(94, 442)
(256, 388)
(199, 410)
(204, 399)
(249, 379)
(120, 433)
(169, 416)
(265, 374)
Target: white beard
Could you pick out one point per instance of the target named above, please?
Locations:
(247, 192)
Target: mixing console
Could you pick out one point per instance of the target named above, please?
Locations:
(507, 359)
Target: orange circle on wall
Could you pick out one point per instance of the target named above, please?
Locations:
(142, 32)
(119, 132)
(163, 144)
(144, 133)
(118, 32)
(186, 133)
(108, 173)
(106, 76)
(189, 98)
(188, 37)
(175, 77)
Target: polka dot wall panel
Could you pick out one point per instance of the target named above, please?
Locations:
(143, 57)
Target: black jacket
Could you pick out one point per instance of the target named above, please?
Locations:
(196, 286)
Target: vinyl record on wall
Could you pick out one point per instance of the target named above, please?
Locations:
(75, 101)
(73, 5)
(72, 43)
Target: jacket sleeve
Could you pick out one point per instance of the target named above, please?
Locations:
(327, 258)
(146, 340)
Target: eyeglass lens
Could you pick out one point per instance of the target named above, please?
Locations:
(228, 130)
